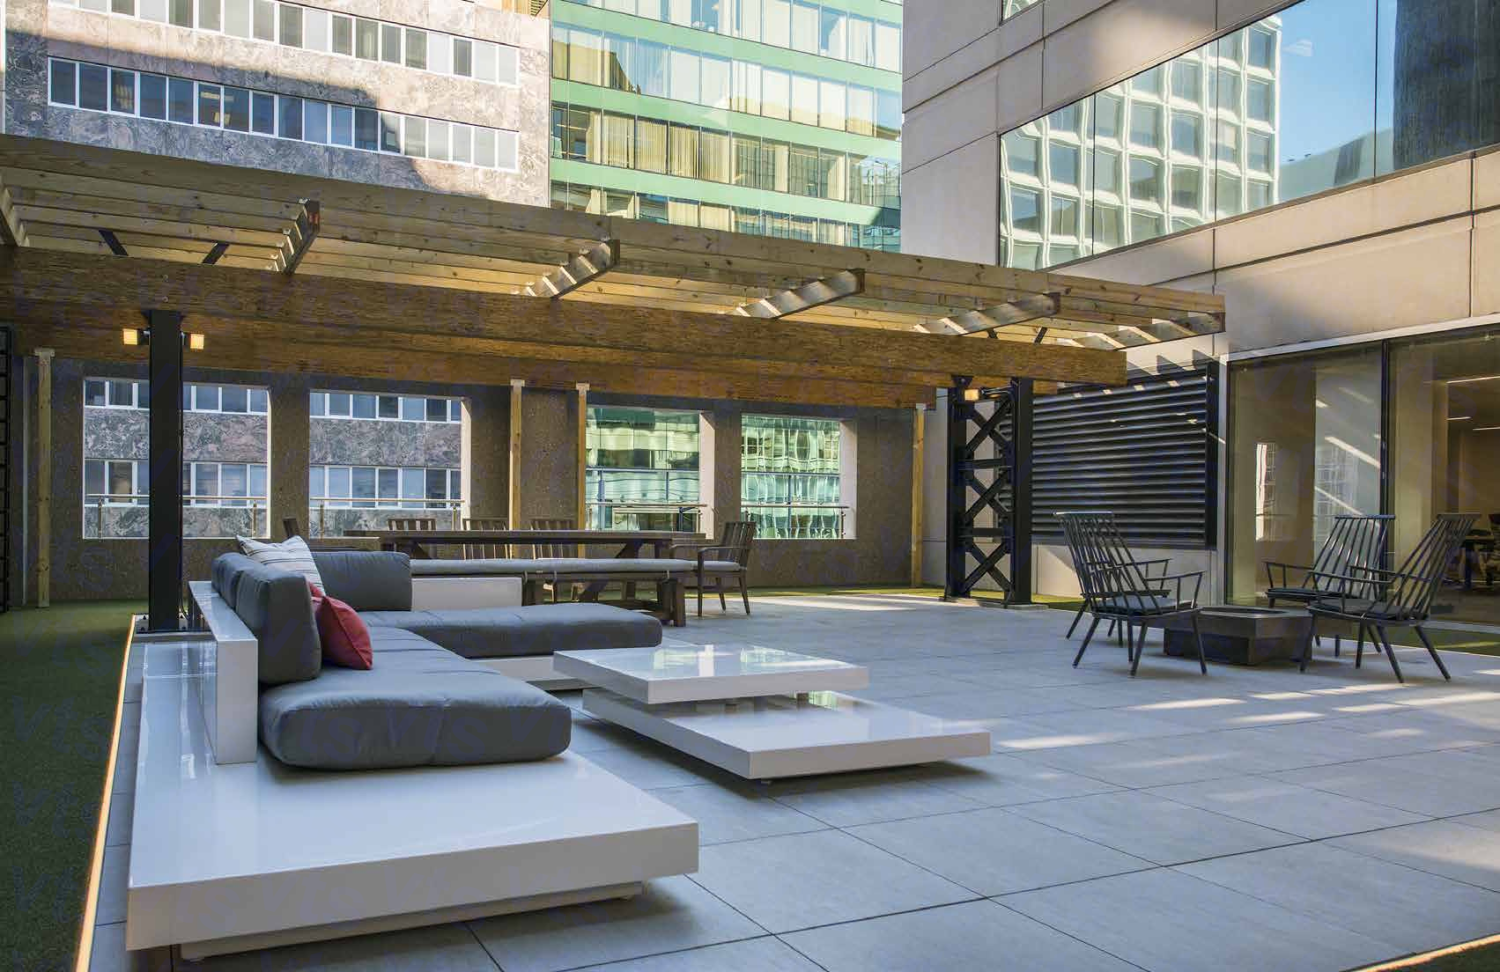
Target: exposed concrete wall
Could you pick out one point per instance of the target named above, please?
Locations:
(549, 456)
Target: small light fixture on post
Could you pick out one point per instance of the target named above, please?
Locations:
(971, 394)
(136, 336)
(196, 342)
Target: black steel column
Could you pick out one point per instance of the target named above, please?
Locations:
(958, 439)
(165, 537)
(1020, 509)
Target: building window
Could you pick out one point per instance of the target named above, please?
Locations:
(77, 85)
(377, 407)
(789, 477)
(115, 482)
(116, 393)
(225, 398)
(642, 469)
(339, 487)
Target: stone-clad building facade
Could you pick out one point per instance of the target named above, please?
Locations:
(450, 95)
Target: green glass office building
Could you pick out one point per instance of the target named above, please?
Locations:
(774, 117)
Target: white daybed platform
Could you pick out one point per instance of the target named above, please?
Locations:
(232, 856)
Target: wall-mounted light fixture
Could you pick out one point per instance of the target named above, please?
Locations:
(135, 336)
(196, 342)
(971, 394)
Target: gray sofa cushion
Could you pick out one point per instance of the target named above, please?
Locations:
(415, 707)
(277, 608)
(367, 580)
(513, 632)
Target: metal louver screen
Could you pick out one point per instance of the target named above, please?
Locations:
(1146, 452)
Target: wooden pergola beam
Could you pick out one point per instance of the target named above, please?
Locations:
(589, 265)
(12, 232)
(1034, 307)
(299, 238)
(814, 293)
(30, 274)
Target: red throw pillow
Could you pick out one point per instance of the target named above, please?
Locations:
(346, 640)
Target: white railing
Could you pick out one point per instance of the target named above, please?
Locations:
(685, 516)
(97, 503)
(386, 508)
(806, 508)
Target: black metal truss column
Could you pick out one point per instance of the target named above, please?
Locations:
(164, 571)
(994, 488)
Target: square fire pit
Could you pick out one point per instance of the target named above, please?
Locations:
(1241, 635)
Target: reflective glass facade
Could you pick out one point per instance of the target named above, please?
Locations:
(1323, 94)
(642, 471)
(789, 477)
(756, 116)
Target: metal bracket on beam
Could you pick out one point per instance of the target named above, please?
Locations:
(1019, 311)
(589, 265)
(113, 242)
(814, 293)
(299, 239)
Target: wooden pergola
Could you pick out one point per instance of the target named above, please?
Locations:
(293, 274)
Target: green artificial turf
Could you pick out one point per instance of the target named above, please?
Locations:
(60, 671)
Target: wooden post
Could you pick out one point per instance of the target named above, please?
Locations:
(44, 478)
(583, 454)
(514, 507)
(918, 436)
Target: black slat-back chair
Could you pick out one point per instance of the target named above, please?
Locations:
(1354, 544)
(1072, 532)
(1116, 586)
(1377, 599)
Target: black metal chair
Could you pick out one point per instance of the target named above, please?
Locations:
(1355, 543)
(733, 549)
(1117, 588)
(1148, 567)
(1377, 599)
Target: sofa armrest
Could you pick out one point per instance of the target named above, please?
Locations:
(227, 663)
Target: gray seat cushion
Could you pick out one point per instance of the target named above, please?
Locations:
(366, 580)
(1360, 607)
(513, 632)
(1141, 604)
(277, 608)
(416, 707)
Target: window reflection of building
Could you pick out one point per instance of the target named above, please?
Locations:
(643, 468)
(790, 484)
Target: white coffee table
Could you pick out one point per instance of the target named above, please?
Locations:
(761, 713)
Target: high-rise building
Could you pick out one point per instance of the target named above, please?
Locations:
(775, 117)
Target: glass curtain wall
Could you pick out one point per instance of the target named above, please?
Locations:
(1322, 94)
(643, 469)
(1305, 446)
(789, 477)
(1445, 457)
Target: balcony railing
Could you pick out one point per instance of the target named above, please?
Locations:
(111, 518)
(334, 516)
(796, 513)
(644, 515)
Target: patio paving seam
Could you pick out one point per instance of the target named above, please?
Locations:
(1068, 934)
(669, 951)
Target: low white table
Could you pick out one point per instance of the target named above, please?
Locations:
(761, 713)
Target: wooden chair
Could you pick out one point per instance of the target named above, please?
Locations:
(734, 547)
(545, 550)
(486, 550)
(1116, 586)
(1377, 599)
(408, 524)
(1356, 543)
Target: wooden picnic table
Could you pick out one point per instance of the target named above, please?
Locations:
(631, 542)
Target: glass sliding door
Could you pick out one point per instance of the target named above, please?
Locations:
(1304, 447)
(1445, 457)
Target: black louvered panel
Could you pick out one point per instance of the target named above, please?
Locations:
(1143, 452)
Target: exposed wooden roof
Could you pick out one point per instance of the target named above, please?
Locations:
(325, 275)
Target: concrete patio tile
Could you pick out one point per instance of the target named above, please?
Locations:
(1297, 810)
(1083, 727)
(1448, 848)
(1412, 910)
(1146, 826)
(1489, 820)
(672, 914)
(1000, 780)
(758, 954)
(1423, 730)
(804, 880)
(990, 703)
(963, 936)
(884, 687)
(440, 948)
(650, 766)
(114, 885)
(591, 735)
(1439, 784)
(109, 953)
(849, 799)
(726, 813)
(994, 852)
(121, 816)
(1167, 921)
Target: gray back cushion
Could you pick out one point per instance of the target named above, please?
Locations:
(366, 580)
(277, 608)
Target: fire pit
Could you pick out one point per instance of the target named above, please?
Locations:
(1241, 635)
